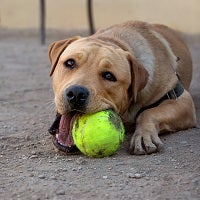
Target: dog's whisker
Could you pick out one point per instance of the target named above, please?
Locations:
(50, 105)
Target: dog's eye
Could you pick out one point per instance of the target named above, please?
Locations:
(108, 76)
(70, 63)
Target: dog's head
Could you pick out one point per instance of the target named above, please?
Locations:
(89, 76)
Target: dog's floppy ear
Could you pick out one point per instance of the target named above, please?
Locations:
(139, 77)
(56, 49)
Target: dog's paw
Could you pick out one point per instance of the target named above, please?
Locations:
(145, 143)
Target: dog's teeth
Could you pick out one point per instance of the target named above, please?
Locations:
(59, 141)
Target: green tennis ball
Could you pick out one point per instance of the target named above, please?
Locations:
(98, 135)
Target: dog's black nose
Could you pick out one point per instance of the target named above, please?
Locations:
(77, 97)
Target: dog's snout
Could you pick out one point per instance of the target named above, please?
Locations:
(77, 96)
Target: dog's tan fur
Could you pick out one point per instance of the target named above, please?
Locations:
(146, 60)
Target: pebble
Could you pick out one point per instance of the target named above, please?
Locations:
(115, 174)
(53, 178)
(27, 137)
(112, 185)
(5, 146)
(42, 176)
(34, 123)
(120, 163)
(81, 161)
(24, 157)
(31, 175)
(170, 149)
(185, 143)
(158, 162)
(147, 178)
(136, 175)
(64, 169)
(105, 177)
(60, 192)
(77, 169)
(156, 179)
(33, 156)
(130, 175)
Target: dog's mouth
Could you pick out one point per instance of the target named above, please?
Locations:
(61, 131)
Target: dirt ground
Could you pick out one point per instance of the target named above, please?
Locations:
(31, 168)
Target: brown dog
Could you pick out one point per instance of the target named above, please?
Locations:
(142, 71)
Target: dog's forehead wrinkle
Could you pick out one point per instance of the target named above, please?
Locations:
(88, 50)
(93, 48)
(105, 63)
(71, 54)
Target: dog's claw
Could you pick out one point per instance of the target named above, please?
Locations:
(150, 148)
(136, 145)
(145, 144)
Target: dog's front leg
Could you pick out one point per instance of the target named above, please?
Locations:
(145, 138)
(171, 115)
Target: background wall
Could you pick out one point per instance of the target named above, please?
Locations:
(71, 14)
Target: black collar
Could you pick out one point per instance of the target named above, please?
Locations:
(172, 94)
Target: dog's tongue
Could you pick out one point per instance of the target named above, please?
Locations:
(64, 136)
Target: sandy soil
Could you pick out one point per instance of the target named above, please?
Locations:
(31, 168)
